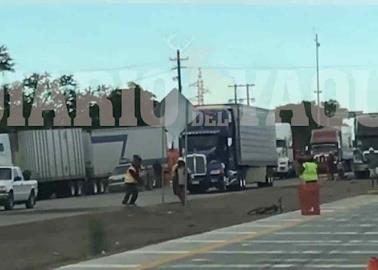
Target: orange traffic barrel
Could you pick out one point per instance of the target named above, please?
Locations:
(309, 198)
(373, 264)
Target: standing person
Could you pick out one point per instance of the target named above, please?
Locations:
(132, 178)
(309, 171)
(331, 167)
(372, 160)
(180, 175)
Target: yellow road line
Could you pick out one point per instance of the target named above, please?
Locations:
(171, 258)
(211, 247)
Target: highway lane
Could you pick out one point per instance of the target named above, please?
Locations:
(345, 236)
(66, 207)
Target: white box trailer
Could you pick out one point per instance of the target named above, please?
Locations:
(55, 157)
(107, 148)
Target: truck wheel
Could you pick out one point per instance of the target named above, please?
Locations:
(79, 191)
(72, 189)
(94, 188)
(101, 187)
(222, 186)
(10, 202)
(31, 201)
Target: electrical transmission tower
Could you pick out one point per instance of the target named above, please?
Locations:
(201, 91)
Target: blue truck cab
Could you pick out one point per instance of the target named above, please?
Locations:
(219, 145)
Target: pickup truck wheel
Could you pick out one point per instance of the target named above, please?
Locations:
(10, 202)
(31, 201)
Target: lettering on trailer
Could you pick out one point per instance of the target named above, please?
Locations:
(112, 139)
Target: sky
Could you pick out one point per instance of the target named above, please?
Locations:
(270, 45)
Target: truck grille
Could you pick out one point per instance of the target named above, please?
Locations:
(196, 164)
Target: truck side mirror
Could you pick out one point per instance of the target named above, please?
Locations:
(17, 178)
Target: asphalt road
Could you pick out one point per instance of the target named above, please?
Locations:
(66, 207)
(345, 236)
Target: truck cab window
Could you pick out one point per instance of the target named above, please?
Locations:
(15, 173)
(1, 147)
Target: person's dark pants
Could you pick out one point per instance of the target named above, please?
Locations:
(131, 191)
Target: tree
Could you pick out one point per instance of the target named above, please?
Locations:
(6, 62)
(6, 65)
(330, 107)
(69, 87)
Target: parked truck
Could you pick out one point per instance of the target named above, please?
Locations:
(55, 157)
(284, 147)
(73, 161)
(230, 146)
(366, 137)
(14, 189)
(337, 141)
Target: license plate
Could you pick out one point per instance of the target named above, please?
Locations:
(214, 180)
(195, 182)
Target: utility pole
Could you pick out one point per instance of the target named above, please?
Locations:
(235, 86)
(317, 44)
(249, 85)
(179, 67)
(178, 60)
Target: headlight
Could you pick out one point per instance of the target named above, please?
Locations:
(3, 189)
(216, 172)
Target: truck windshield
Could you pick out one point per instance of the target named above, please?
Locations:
(5, 174)
(120, 170)
(201, 142)
(366, 142)
(323, 148)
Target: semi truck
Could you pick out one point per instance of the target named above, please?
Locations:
(366, 137)
(73, 161)
(338, 141)
(284, 147)
(230, 146)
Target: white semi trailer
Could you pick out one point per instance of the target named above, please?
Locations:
(108, 148)
(73, 161)
(55, 157)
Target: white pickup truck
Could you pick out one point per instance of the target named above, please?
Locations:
(14, 189)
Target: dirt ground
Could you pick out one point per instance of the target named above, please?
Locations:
(44, 245)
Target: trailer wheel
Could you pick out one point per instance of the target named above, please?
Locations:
(94, 187)
(72, 189)
(79, 191)
(101, 187)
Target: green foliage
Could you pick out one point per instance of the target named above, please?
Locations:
(330, 107)
(6, 62)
